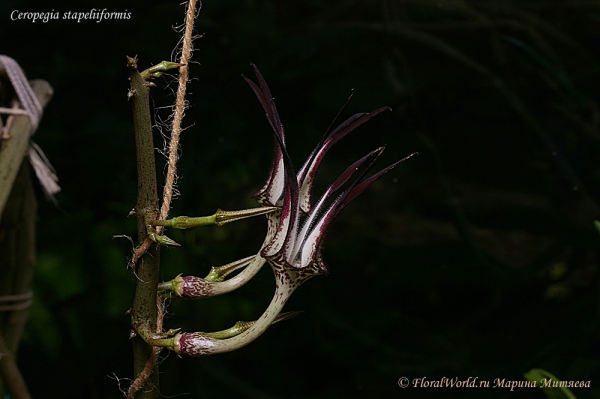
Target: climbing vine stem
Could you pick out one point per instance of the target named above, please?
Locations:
(144, 310)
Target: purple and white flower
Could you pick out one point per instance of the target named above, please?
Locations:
(295, 232)
(299, 228)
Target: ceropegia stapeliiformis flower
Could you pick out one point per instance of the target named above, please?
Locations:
(295, 232)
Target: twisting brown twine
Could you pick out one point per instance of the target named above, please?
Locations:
(141, 379)
(180, 106)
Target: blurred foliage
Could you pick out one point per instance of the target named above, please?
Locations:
(477, 258)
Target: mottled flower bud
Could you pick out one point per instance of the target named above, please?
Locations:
(192, 287)
(194, 344)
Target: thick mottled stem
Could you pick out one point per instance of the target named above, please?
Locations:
(144, 312)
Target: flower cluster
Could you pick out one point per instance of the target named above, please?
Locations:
(296, 227)
(296, 244)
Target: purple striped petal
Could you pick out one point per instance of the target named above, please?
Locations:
(307, 173)
(271, 192)
(359, 188)
(285, 235)
(291, 247)
(313, 241)
(314, 214)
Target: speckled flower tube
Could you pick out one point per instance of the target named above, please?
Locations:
(200, 344)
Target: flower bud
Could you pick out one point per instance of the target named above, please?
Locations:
(193, 344)
(191, 287)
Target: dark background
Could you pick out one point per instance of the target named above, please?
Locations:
(477, 258)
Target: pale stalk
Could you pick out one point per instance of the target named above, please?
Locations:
(201, 344)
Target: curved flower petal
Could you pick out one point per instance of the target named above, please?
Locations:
(307, 173)
(271, 192)
(312, 242)
(289, 216)
(308, 227)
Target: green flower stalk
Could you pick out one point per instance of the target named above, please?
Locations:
(219, 218)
